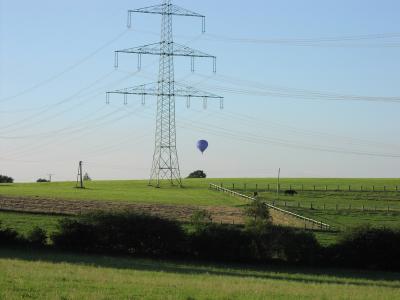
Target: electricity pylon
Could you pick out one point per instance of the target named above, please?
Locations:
(165, 159)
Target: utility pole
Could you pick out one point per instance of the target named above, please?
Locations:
(165, 158)
(50, 175)
(79, 178)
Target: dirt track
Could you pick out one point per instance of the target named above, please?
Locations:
(224, 214)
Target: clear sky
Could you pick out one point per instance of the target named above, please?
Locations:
(310, 86)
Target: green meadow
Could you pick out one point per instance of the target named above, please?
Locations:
(52, 275)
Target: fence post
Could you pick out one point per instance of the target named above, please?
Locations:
(349, 188)
(233, 186)
(311, 207)
(244, 186)
(361, 188)
(373, 188)
(256, 187)
(314, 187)
(326, 187)
(363, 208)
(384, 188)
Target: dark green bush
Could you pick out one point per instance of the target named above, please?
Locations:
(197, 174)
(9, 237)
(366, 247)
(6, 179)
(220, 242)
(122, 233)
(37, 237)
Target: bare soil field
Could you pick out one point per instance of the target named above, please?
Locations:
(220, 214)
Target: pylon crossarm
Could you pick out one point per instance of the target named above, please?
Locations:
(155, 49)
(172, 10)
(159, 9)
(179, 91)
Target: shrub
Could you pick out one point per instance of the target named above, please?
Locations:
(200, 219)
(295, 246)
(123, 233)
(37, 237)
(6, 179)
(9, 236)
(220, 242)
(197, 174)
(42, 180)
(367, 247)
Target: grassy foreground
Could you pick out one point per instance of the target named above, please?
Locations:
(64, 276)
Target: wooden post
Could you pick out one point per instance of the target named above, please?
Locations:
(244, 186)
(373, 188)
(233, 186)
(349, 188)
(384, 188)
(256, 187)
(268, 187)
(326, 187)
(314, 187)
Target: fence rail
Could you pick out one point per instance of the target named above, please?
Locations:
(309, 187)
(233, 193)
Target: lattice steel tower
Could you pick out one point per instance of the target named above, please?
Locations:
(165, 159)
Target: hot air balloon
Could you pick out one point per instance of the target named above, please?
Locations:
(202, 145)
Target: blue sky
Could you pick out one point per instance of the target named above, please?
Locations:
(52, 85)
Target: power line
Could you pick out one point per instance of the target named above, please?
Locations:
(66, 70)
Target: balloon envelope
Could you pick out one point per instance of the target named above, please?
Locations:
(202, 145)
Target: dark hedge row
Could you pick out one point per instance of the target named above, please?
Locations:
(143, 235)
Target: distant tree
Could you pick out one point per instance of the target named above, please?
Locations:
(259, 216)
(86, 177)
(197, 174)
(42, 180)
(6, 179)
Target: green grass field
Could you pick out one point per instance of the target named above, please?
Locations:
(338, 208)
(65, 276)
(194, 192)
(24, 222)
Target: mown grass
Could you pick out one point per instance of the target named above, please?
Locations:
(194, 192)
(65, 276)
(24, 222)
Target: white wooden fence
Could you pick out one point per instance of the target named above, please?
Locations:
(233, 193)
